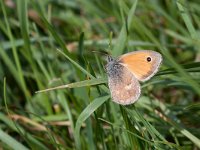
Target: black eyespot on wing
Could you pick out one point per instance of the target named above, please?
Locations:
(148, 59)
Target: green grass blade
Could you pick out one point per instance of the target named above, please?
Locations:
(193, 138)
(76, 64)
(77, 84)
(86, 113)
(123, 36)
(11, 142)
(19, 73)
(187, 20)
(12, 125)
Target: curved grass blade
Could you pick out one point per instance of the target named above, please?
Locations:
(173, 120)
(86, 113)
(76, 64)
(123, 36)
(61, 43)
(11, 142)
(13, 126)
(20, 42)
(77, 84)
(187, 20)
(138, 136)
(18, 69)
(191, 67)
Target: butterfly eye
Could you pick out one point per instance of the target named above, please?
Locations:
(148, 59)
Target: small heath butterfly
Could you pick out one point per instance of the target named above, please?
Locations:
(125, 72)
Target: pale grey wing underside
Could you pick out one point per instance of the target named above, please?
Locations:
(125, 88)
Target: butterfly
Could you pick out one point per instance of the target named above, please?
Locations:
(125, 72)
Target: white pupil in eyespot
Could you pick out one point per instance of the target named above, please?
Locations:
(148, 59)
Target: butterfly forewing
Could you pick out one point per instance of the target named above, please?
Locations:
(142, 64)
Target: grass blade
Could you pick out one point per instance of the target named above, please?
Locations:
(11, 142)
(77, 84)
(86, 113)
(123, 36)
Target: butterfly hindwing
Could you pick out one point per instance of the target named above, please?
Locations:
(124, 87)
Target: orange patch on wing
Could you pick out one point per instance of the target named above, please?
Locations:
(137, 63)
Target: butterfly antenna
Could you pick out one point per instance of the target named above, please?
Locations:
(101, 52)
(109, 57)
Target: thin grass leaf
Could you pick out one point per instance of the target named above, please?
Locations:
(192, 106)
(18, 74)
(123, 36)
(193, 138)
(68, 111)
(86, 113)
(51, 28)
(17, 129)
(187, 20)
(139, 137)
(132, 139)
(169, 18)
(76, 64)
(180, 37)
(77, 84)
(20, 42)
(11, 142)
(174, 121)
(23, 19)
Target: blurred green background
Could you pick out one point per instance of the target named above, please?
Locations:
(49, 43)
